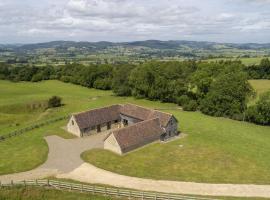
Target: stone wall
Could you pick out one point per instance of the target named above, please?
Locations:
(111, 144)
(171, 129)
(130, 120)
(73, 128)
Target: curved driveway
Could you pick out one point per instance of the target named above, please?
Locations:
(63, 157)
(64, 162)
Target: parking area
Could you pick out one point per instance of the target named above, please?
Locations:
(64, 154)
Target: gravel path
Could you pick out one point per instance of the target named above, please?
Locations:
(91, 174)
(64, 162)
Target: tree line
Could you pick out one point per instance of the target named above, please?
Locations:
(218, 88)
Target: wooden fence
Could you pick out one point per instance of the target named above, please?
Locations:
(30, 128)
(107, 191)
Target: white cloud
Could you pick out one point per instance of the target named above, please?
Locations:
(133, 19)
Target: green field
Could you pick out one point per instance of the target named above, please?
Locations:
(214, 149)
(260, 86)
(32, 193)
(245, 61)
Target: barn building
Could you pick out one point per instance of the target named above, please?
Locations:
(129, 126)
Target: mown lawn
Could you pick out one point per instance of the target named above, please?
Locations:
(214, 150)
(34, 193)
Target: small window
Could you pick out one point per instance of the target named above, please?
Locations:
(72, 122)
(116, 121)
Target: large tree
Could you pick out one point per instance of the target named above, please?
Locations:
(228, 94)
(120, 83)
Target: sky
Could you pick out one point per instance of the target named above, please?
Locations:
(236, 21)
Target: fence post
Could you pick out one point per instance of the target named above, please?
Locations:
(11, 182)
(155, 196)
(48, 182)
(142, 196)
(117, 192)
(94, 189)
(70, 186)
(24, 183)
(0, 184)
(36, 182)
(82, 188)
(129, 197)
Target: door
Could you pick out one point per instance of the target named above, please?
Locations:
(98, 129)
(108, 125)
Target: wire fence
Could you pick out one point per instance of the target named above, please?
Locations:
(30, 128)
(102, 190)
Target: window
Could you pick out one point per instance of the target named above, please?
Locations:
(72, 122)
(116, 121)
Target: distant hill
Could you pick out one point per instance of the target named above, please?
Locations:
(59, 52)
(155, 44)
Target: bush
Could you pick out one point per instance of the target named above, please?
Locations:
(183, 100)
(54, 101)
(192, 105)
(260, 112)
(37, 78)
(102, 84)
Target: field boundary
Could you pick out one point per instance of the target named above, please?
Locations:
(102, 190)
(30, 128)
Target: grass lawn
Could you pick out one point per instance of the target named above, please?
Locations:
(34, 193)
(214, 150)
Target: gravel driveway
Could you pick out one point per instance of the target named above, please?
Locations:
(63, 157)
(64, 162)
(64, 154)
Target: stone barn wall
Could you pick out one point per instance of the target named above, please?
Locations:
(171, 129)
(111, 144)
(130, 120)
(73, 127)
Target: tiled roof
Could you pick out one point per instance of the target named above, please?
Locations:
(97, 116)
(102, 115)
(138, 134)
(145, 113)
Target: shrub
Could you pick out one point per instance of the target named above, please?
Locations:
(260, 112)
(183, 100)
(192, 105)
(37, 78)
(54, 101)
